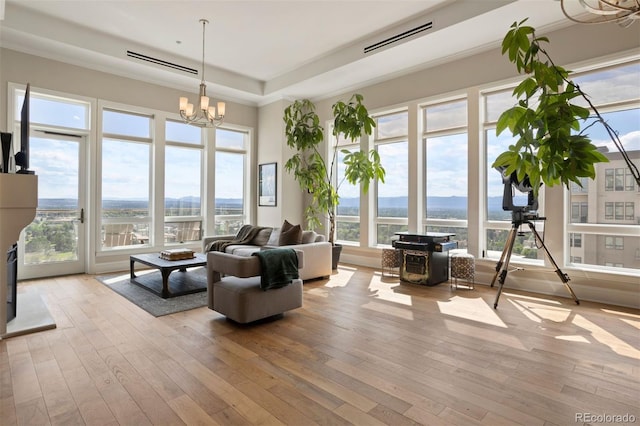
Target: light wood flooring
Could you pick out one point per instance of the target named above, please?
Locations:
(363, 350)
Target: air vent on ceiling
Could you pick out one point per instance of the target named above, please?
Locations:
(157, 61)
(396, 38)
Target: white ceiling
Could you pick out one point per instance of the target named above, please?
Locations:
(261, 50)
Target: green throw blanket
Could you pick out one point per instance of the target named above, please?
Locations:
(244, 236)
(279, 267)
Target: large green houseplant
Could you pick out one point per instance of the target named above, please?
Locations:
(550, 146)
(314, 173)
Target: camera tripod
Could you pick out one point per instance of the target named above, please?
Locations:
(518, 219)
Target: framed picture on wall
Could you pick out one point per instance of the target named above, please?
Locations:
(267, 189)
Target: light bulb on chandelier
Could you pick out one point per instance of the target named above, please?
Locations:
(205, 115)
(622, 12)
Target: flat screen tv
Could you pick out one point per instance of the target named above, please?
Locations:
(22, 156)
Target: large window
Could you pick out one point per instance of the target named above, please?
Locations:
(231, 180)
(392, 201)
(126, 179)
(497, 220)
(610, 200)
(348, 211)
(446, 151)
(183, 183)
(57, 143)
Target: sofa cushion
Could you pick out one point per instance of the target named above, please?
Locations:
(274, 237)
(308, 237)
(290, 234)
(262, 237)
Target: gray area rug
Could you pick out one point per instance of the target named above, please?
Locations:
(149, 301)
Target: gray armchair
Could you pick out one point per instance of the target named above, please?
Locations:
(233, 286)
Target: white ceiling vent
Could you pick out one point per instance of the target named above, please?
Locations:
(398, 37)
(160, 62)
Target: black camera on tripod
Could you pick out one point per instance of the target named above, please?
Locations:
(519, 213)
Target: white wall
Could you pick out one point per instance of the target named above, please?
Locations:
(273, 148)
(21, 68)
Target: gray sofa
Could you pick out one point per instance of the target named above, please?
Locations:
(317, 251)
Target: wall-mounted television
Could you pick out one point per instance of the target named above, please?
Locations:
(22, 156)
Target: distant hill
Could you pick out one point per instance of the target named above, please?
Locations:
(395, 203)
(433, 203)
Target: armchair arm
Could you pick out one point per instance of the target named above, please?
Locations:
(239, 266)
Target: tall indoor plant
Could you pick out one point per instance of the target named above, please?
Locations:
(550, 146)
(314, 173)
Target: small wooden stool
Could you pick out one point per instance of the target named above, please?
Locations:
(391, 261)
(463, 266)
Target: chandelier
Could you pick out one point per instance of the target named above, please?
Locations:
(205, 115)
(623, 12)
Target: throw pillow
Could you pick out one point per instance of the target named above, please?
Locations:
(262, 237)
(308, 237)
(290, 234)
(274, 237)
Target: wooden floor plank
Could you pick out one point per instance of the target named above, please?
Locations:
(363, 350)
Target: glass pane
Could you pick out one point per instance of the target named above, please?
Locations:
(462, 235)
(496, 103)
(53, 235)
(386, 232)
(446, 186)
(348, 231)
(495, 188)
(393, 194)
(125, 179)
(54, 111)
(230, 139)
(349, 194)
(524, 246)
(181, 132)
(229, 183)
(182, 190)
(606, 196)
(119, 235)
(610, 85)
(180, 232)
(606, 250)
(394, 125)
(445, 116)
(228, 225)
(342, 141)
(121, 123)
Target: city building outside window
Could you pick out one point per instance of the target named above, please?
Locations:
(611, 197)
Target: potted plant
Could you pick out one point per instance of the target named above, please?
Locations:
(314, 173)
(548, 148)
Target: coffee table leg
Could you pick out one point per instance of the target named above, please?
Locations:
(131, 262)
(165, 283)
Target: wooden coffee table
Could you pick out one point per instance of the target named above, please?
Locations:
(183, 282)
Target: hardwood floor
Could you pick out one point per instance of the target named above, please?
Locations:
(363, 350)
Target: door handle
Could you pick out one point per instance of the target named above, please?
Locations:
(81, 215)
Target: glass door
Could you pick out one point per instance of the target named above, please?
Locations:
(54, 243)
